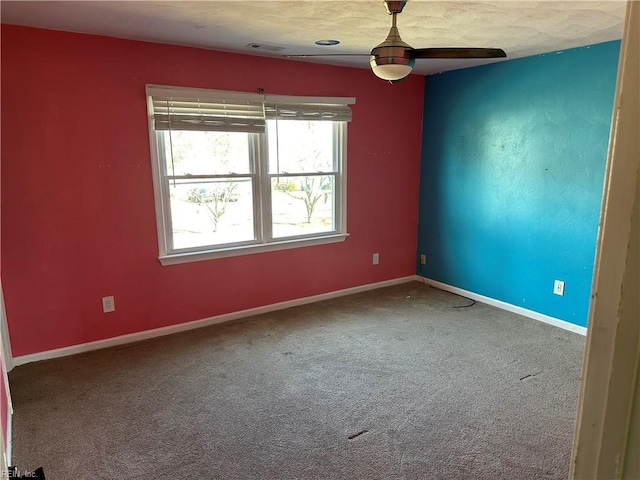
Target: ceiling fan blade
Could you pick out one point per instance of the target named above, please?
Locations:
(329, 55)
(458, 53)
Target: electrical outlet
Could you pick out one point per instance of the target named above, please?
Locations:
(108, 304)
(376, 258)
(423, 259)
(558, 287)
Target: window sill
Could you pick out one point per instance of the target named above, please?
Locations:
(250, 249)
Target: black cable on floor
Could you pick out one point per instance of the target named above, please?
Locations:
(473, 302)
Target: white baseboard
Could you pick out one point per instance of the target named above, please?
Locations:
(507, 306)
(227, 317)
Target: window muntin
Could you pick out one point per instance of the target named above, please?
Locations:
(228, 186)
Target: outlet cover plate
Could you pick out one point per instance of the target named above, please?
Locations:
(558, 287)
(108, 304)
(376, 258)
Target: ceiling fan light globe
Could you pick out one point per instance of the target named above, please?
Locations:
(391, 69)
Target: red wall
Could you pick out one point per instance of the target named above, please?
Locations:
(5, 395)
(78, 219)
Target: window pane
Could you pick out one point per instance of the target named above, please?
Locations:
(296, 146)
(214, 212)
(302, 205)
(206, 153)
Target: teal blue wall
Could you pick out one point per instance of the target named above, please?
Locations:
(512, 175)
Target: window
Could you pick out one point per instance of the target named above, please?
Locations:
(237, 173)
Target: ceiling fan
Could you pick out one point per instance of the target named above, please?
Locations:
(394, 59)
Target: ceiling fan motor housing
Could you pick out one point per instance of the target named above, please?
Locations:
(393, 53)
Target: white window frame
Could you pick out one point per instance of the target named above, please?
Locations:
(261, 185)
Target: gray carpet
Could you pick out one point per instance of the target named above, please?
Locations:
(389, 384)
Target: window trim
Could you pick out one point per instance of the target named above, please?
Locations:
(262, 197)
(177, 258)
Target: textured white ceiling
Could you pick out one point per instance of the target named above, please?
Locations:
(521, 28)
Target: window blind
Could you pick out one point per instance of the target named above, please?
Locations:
(209, 115)
(177, 108)
(308, 112)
